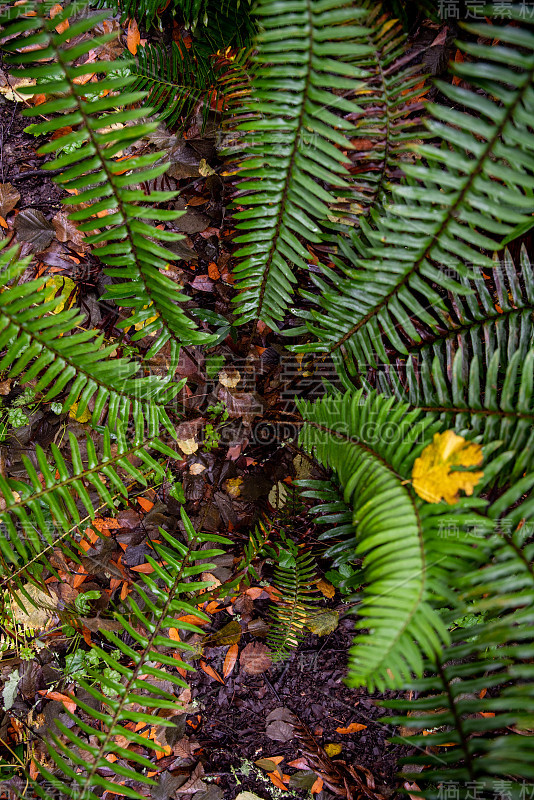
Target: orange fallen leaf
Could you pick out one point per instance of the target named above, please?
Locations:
(133, 37)
(486, 713)
(277, 781)
(192, 619)
(54, 11)
(145, 504)
(68, 702)
(210, 671)
(482, 693)
(3, 223)
(352, 728)
(105, 524)
(254, 592)
(317, 786)
(213, 271)
(230, 660)
(213, 607)
(80, 577)
(146, 569)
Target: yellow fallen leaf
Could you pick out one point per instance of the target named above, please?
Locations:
(333, 749)
(205, 169)
(433, 476)
(187, 446)
(326, 588)
(61, 289)
(73, 412)
(233, 486)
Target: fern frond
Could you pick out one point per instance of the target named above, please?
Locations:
(478, 375)
(39, 515)
(126, 240)
(133, 688)
(389, 123)
(371, 444)
(52, 348)
(294, 575)
(175, 81)
(294, 133)
(334, 512)
(455, 206)
(478, 695)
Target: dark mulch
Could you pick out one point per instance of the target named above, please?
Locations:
(18, 156)
(310, 684)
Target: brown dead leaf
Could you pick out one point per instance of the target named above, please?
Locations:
(66, 229)
(195, 782)
(9, 197)
(255, 658)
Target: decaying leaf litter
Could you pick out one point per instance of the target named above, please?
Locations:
(247, 724)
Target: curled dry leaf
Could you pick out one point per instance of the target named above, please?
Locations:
(354, 727)
(255, 658)
(9, 197)
(229, 378)
(433, 476)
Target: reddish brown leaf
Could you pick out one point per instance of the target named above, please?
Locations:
(255, 658)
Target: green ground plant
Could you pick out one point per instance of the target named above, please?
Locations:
(424, 312)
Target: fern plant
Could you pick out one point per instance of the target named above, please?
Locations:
(474, 186)
(476, 696)
(132, 697)
(294, 134)
(175, 81)
(126, 239)
(52, 348)
(294, 575)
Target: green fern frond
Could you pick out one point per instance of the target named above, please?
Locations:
(334, 512)
(39, 515)
(478, 375)
(175, 81)
(52, 348)
(294, 132)
(294, 575)
(123, 216)
(133, 687)
(223, 23)
(457, 203)
(371, 444)
(478, 694)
